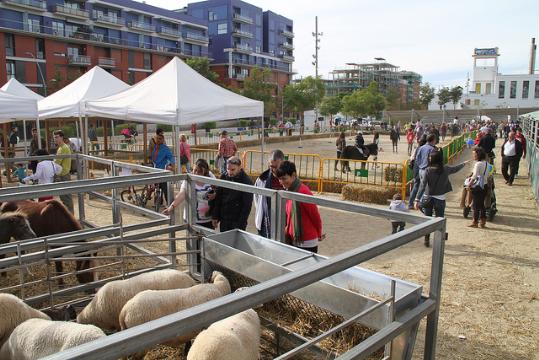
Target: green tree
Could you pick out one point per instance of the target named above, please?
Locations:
(259, 86)
(364, 102)
(444, 96)
(426, 94)
(455, 94)
(393, 99)
(303, 96)
(330, 105)
(202, 66)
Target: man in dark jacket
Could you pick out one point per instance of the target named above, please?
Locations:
(488, 143)
(232, 207)
(511, 154)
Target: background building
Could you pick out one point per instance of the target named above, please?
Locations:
(242, 37)
(359, 76)
(47, 44)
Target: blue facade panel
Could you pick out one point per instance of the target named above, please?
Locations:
(11, 19)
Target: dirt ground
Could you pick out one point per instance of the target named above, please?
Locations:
(490, 307)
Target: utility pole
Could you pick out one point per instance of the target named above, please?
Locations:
(316, 35)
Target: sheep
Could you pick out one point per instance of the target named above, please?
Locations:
(153, 304)
(105, 307)
(14, 311)
(37, 338)
(234, 338)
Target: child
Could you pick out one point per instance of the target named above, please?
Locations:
(398, 205)
(20, 172)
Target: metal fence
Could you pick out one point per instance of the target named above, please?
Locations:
(530, 127)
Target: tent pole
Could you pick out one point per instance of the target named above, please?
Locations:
(85, 136)
(112, 132)
(145, 141)
(105, 137)
(177, 149)
(24, 137)
(262, 146)
(38, 133)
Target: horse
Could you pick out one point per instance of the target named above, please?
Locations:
(49, 218)
(14, 225)
(352, 152)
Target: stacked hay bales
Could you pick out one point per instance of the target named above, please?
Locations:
(368, 193)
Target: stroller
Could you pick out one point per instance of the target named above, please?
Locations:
(490, 200)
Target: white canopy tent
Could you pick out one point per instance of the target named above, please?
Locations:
(70, 100)
(176, 95)
(14, 87)
(14, 108)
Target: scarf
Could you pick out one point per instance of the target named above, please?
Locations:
(296, 216)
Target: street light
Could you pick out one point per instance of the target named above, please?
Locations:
(40, 73)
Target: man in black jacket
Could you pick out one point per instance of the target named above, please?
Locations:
(231, 208)
(488, 143)
(511, 154)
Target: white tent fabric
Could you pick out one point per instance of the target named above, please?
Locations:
(69, 101)
(16, 108)
(14, 87)
(176, 95)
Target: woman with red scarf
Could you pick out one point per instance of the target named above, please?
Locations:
(303, 222)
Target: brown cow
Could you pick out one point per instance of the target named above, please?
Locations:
(49, 218)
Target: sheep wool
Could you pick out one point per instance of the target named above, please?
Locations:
(14, 311)
(37, 338)
(105, 307)
(234, 338)
(153, 304)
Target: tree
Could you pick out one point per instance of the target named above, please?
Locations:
(364, 102)
(393, 99)
(426, 94)
(202, 66)
(330, 105)
(303, 95)
(259, 86)
(444, 96)
(455, 95)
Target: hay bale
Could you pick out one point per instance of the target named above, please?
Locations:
(368, 193)
(392, 174)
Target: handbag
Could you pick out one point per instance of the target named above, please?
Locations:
(479, 182)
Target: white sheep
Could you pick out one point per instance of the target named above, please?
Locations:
(37, 338)
(234, 338)
(153, 304)
(105, 307)
(14, 311)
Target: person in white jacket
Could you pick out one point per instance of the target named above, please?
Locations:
(45, 171)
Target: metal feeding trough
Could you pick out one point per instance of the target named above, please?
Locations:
(346, 293)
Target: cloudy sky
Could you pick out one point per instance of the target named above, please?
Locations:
(434, 38)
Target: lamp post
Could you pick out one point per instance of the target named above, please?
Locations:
(40, 73)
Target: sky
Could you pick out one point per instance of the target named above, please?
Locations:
(433, 38)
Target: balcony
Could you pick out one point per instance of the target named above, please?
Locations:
(38, 5)
(244, 48)
(141, 26)
(79, 60)
(70, 12)
(190, 37)
(170, 32)
(239, 77)
(241, 33)
(243, 19)
(108, 19)
(106, 62)
(288, 58)
(287, 46)
(35, 28)
(288, 34)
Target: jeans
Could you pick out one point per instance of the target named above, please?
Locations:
(410, 147)
(223, 164)
(438, 207)
(66, 199)
(413, 193)
(479, 211)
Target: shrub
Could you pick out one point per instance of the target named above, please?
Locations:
(392, 174)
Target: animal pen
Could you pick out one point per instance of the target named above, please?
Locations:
(382, 312)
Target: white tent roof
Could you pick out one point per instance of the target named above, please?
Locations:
(16, 108)
(177, 95)
(69, 101)
(14, 87)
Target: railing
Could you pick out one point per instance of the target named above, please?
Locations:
(37, 4)
(287, 33)
(242, 33)
(79, 60)
(115, 20)
(170, 31)
(239, 77)
(72, 12)
(288, 58)
(243, 47)
(242, 18)
(141, 26)
(103, 61)
(287, 46)
(530, 128)
(196, 37)
(35, 28)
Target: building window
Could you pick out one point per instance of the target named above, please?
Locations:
(33, 25)
(476, 102)
(147, 60)
(501, 90)
(20, 71)
(536, 89)
(40, 48)
(222, 28)
(57, 28)
(10, 69)
(525, 89)
(513, 90)
(130, 77)
(212, 16)
(10, 44)
(131, 59)
(488, 89)
(478, 88)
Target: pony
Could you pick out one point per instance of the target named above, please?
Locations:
(14, 225)
(352, 152)
(49, 218)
